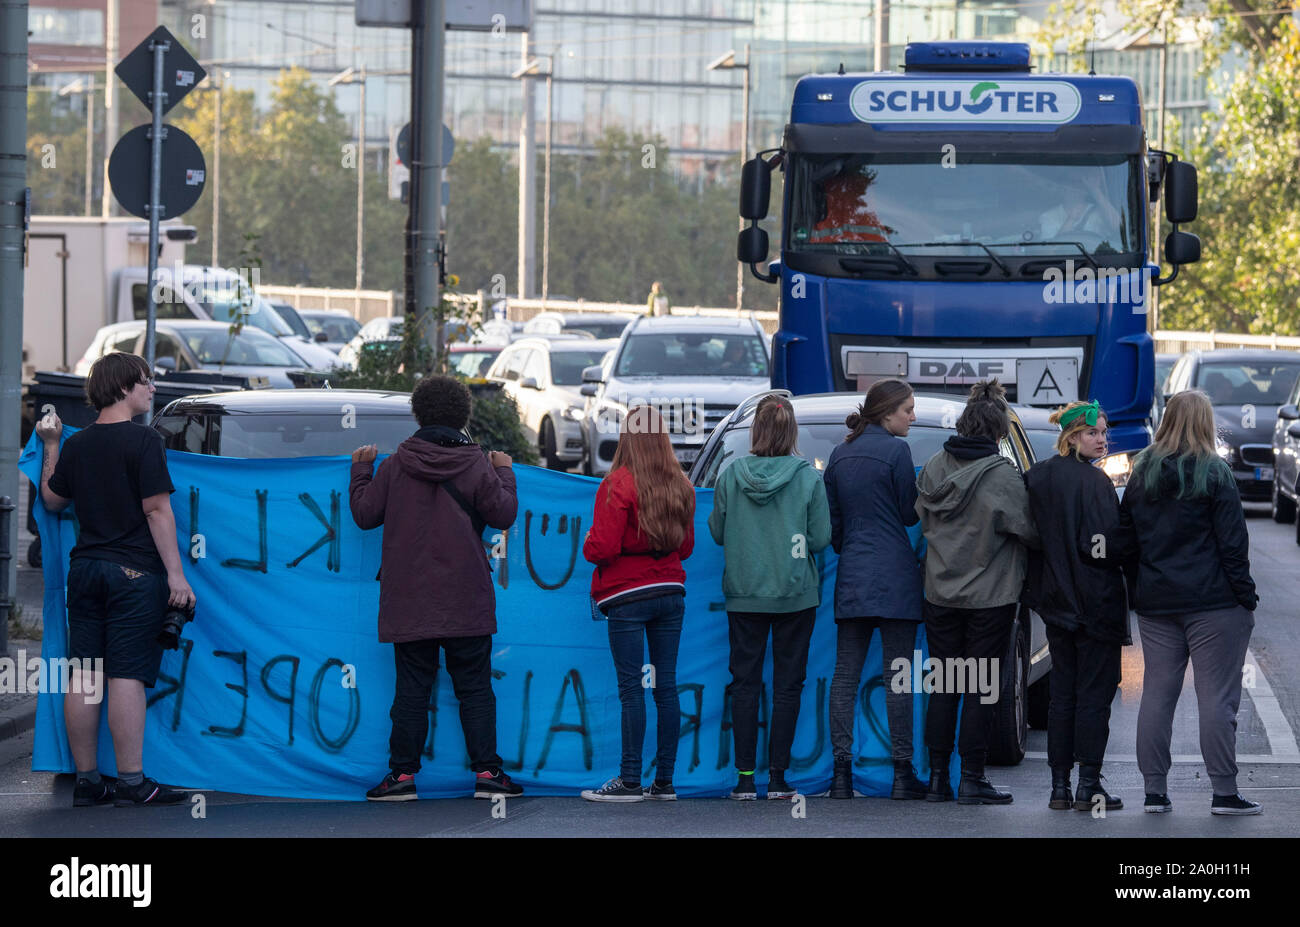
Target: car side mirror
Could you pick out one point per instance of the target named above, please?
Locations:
(529, 383)
(165, 364)
(592, 374)
(589, 389)
(1294, 429)
(1288, 412)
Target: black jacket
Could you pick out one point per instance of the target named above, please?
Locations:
(1192, 554)
(1070, 583)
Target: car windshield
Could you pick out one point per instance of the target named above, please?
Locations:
(214, 347)
(854, 204)
(816, 441)
(227, 300)
(473, 363)
(693, 354)
(567, 366)
(337, 328)
(598, 329)
(1258, 383)
(284, 434)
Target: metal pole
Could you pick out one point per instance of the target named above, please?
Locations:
(527, 188)
(744, 156)
(429, 167)
(216, 174)
(1153, 315)
(90, 142)
(361, 192)
(13, 197)
(156, 98)
(107, 204)
(546, 190)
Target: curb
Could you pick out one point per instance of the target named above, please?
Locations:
(18, 720)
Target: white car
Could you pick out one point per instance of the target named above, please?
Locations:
(383, 329)
(692, 369)
(544, 376)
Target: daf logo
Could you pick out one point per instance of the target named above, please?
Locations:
(958, 369)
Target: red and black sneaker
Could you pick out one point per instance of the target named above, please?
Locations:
(148, 792)
(395, 787)
(494, 782)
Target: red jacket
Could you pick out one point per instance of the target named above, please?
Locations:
(619, 550)
(435, 580)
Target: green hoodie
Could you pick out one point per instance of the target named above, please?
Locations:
(976, 520)
(770, 515)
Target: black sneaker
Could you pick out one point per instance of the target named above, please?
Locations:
(1157, 804)
(658, 792)
(778, 789)
(614, 790)
(86, 793)
(147, 792)
(1234, 804)
(393, 789)
(498, 783)
(744, 790)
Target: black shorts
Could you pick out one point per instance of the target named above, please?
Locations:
(115, 613)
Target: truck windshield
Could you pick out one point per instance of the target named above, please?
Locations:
(223, 300)
(693, 354)
(1037, 205)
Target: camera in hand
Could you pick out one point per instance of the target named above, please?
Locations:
(173, 622)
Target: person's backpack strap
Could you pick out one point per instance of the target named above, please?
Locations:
(475, 519)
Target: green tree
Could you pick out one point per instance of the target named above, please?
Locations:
(56, 155)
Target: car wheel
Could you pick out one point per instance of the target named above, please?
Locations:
(1283, 508)
(548, 447)
(1010, 723)
(1039, 695)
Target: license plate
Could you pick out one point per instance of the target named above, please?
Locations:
(1264, 473)
(686, 455)
(1047, 380)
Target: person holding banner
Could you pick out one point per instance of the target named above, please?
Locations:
(871, 485)
(975, 516)
(1079, 593)
(770, 516)
(433, 498)
(123, 574)
(642, 528)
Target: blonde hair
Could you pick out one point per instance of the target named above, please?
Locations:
(1186, 431)
(1075, 427)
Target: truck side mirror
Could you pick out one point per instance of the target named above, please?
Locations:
(751, 245)
(1182, 248)
(755, 189)
(1180, 192)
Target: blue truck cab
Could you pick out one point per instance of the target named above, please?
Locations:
(967, 219)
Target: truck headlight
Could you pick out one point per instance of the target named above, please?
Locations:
(1118, 467)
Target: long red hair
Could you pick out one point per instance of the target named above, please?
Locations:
(665, 498)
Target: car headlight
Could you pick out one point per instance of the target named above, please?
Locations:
(1118, 467)
(572, 413)
(1224, 451)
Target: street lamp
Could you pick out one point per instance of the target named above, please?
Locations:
(86, 85)
(531, 70)
(728, 62)
(358, 76)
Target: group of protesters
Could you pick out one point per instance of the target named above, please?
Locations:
(1056, 540)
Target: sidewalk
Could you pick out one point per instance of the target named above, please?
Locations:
(18, 712)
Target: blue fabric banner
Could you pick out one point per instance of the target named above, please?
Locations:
(281, 687)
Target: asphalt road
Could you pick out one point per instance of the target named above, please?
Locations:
(39, 804)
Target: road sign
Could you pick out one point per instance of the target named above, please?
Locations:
(404, 145)
(181, 74)
(184, 172)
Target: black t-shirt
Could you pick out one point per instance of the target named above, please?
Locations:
(108, 471)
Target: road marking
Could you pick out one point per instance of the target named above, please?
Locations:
(1281, 739)
(1254, 759)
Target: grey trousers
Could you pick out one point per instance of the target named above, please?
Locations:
(1216, 641)
(897, 639)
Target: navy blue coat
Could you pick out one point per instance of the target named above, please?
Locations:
(871, 487)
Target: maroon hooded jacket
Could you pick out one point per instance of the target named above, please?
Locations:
(435, 580)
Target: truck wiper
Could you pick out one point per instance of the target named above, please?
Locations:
(873, 262)
(1006, 271)
(1038, 244)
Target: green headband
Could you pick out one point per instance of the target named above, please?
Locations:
(1090, 411)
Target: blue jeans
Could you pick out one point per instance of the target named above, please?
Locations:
(657, 622)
